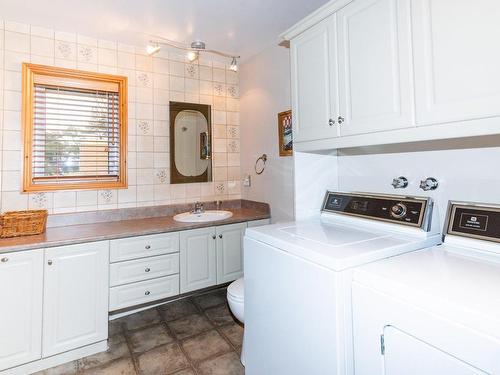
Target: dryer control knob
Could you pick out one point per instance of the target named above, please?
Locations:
(398, 211)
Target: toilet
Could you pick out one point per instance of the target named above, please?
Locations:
(235, 299)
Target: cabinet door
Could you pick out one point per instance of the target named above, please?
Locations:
(375, 72)
(21, 280)
(457, 75)
(314, 82)
(230, 252)
(75, 302)
(197, 263)
(405, 354)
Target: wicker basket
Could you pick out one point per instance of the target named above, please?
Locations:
(22, 223)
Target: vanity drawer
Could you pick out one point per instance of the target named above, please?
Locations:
(143, 246)
(142, 292)
(143, 269)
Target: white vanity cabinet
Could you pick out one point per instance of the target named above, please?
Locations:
(198, 267)
(75, 306)
(53, 301)
(212, 256)
(230, 252)
(143, 269)
(21, 281)
(314, 83)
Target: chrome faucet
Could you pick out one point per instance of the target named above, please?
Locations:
(218, 204)
(198, 208)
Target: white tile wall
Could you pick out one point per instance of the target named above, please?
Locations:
(153, 81)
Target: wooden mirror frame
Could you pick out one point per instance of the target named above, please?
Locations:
(175, 108)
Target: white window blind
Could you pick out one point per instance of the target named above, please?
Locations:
(76, 135)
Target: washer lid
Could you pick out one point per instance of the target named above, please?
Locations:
(444, 281)
(236, 289)
(338, 245)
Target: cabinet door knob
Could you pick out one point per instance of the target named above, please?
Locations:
(331, 122)
(220, 235)
(4, 260)
(147, 247)
(147, 269)
(49, 262)
(213, 236)
(147, 292)
(340, 120)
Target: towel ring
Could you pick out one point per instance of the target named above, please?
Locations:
(263, 159)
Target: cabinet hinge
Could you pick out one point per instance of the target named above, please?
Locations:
(382, 345)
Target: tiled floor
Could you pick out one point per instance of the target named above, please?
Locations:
(192, 336)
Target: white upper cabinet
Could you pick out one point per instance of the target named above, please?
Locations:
(457, 59)
(388, 69)
(21, 281)
(374, 52)
(314, 82)
(75, 306)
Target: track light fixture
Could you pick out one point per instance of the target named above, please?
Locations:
(193, 50)
(234, 65)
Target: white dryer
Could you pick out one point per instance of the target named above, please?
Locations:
(435, 311)
(298, 275)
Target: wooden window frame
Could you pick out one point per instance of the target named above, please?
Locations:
(77, 79)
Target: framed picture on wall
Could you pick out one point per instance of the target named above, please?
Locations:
(285, 133)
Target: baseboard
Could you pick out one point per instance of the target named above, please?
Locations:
(56, 360)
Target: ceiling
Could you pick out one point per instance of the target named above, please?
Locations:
(243, 27)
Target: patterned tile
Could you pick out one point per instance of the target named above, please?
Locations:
(148, 338)
(227, 364)
(178, 309)
(117, 349)
(166, 359)
(211, 299)
(205, 345)
(189, 326)
(219, 315)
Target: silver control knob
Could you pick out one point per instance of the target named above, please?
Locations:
(398, 211)
(430, 183)
(400, 183)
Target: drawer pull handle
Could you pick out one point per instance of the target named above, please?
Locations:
(220, 235)
(148, 247)
(147, 269)
(4, 260)
(213, 237)
(147, 292)
(49, 262)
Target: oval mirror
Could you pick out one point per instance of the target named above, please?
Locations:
(190, 143)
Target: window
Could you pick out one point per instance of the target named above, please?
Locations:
(74, 129)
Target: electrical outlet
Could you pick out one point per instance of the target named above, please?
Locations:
(247, 181)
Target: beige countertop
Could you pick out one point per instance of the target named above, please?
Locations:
(73, 234)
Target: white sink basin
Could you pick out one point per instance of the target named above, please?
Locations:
(189, 217)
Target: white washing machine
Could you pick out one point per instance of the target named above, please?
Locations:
(435, 311)
(298, 317)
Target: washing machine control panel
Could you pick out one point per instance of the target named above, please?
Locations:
(473, 220)
(398, 209)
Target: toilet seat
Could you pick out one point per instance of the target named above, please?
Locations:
(236, 291)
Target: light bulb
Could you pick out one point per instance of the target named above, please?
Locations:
(151, 49)
(192, 56)
(234, 65)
